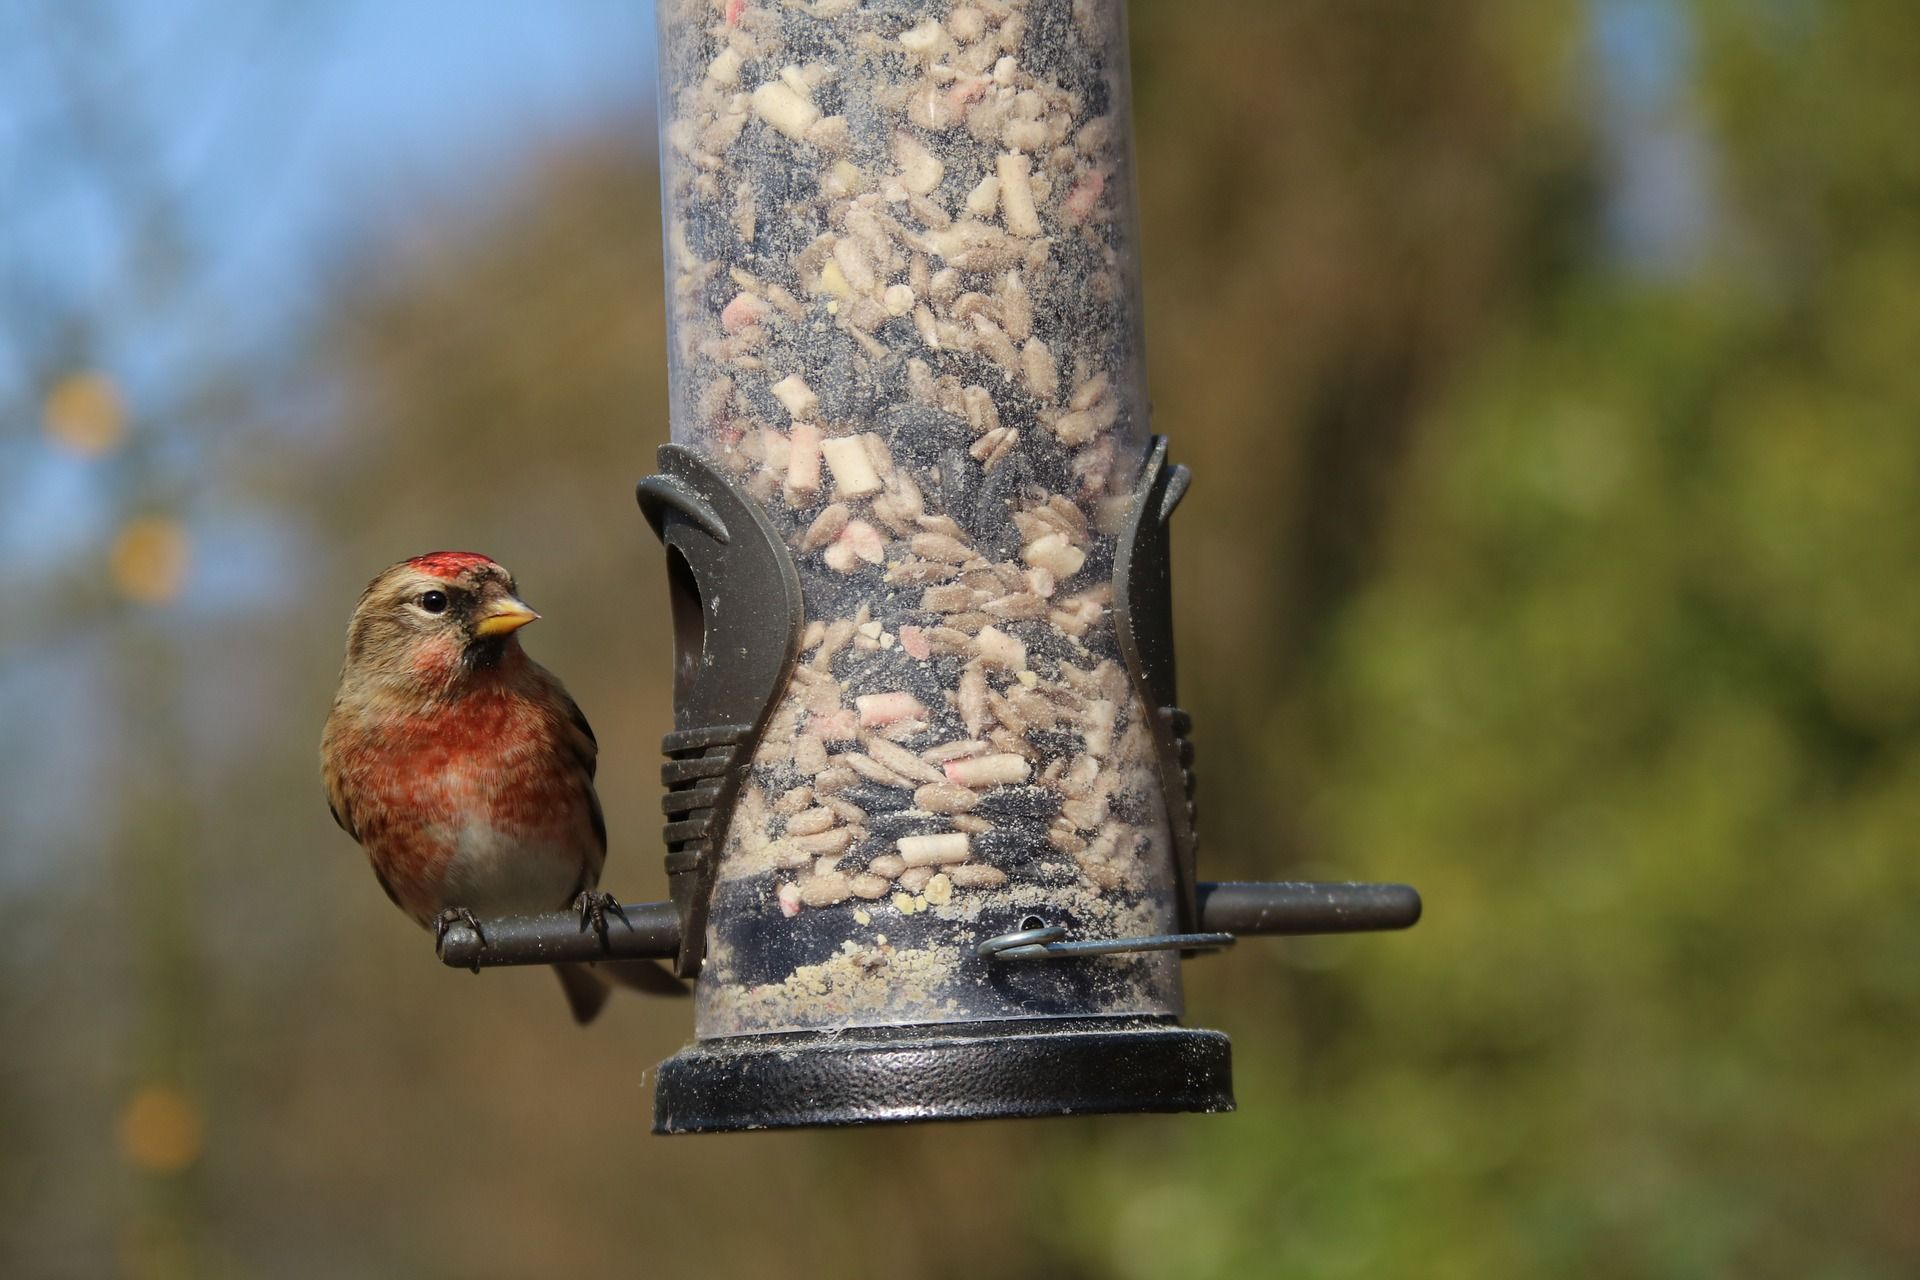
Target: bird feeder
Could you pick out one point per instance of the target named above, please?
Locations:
(930, 830)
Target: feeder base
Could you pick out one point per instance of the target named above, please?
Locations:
(947, 1071)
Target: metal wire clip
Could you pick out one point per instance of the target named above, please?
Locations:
(1047, 942)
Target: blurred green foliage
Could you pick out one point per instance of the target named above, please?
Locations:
(1577, 595)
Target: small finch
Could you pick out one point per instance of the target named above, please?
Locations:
(462, 766)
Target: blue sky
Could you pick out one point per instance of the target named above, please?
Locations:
(277, 127)
(1659, 202)
(274, 133)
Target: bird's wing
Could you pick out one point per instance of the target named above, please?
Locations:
(599, 820)
(586, 752)
(585, 746)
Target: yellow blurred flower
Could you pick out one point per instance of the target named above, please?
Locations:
(150, 558)
(160, 1129)
(84, 414)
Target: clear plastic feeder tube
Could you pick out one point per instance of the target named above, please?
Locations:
(904, 315)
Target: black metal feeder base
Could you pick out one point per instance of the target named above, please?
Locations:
(954, 1071)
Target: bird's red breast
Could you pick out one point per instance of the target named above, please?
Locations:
(479, 801)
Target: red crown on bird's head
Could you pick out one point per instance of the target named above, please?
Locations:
(449, 564)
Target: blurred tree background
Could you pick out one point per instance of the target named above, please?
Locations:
(1547, 372)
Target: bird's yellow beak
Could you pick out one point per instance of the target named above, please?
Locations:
(503, 617)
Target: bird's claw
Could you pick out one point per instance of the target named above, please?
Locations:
(458, 915)
(593, 908)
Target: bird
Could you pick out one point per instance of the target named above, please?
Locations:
(464, 768)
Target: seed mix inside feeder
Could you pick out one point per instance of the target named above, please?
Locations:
(930, 837)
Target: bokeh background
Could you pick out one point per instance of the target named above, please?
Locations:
(1550, 370)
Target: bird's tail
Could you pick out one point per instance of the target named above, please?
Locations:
(587, 986)
(586, 991)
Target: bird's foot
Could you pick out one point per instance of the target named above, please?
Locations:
(593, 908)
(458, 915)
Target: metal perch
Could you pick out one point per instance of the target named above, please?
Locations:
(652, 929)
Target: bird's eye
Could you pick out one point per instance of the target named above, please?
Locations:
(434, 601)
